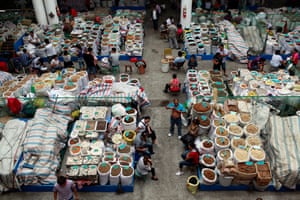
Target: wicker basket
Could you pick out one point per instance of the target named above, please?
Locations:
(264, 174)
(243, 174)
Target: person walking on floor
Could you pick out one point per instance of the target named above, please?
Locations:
(65, 189)
(172, 30)
(175, 118)
(154, 17)
(223, 53)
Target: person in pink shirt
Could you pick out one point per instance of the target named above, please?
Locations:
(64, 189)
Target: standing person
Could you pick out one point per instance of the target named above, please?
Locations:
(154, 16)
(295, 57)
(67, 59)
(65, 189)
(89, 60)
(79, 56)
(144, 166)
(114, 59)
(172, 29)
(144, 126)
(50, 50)
(179, 34)
(276, 61)
(158, 8)
(190, 158)
(175, 118)
(223, 53)
(193, 64)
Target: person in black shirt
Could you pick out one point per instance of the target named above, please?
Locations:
(217, 61)
(89, 60)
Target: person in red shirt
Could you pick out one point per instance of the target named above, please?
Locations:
(173, 86)
(295, 57)
(179, 33)
(190, 158)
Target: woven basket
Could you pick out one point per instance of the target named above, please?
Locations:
(264, 175)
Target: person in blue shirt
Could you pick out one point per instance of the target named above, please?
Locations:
(193, 64)
(177, 109)
(178, 60)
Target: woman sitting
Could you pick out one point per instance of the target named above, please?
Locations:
(190, 158)
(257, 64)
(193, 64)
(173, 86)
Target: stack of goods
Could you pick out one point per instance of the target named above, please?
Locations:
(237, 147)
(89, 159)
(197, 85)
(46, 135)
(257, 84)
(218, 83)
(134, 44)
(85, 33)
(111, 35)
(290, 40)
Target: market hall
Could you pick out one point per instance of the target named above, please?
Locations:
(152, 83)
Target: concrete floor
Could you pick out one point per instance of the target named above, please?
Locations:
(169, 149)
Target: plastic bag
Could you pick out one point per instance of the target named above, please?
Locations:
(183, 120)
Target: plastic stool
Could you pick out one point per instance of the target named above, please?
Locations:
(115, 69)
(138, 175)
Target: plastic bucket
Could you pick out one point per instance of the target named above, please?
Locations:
(219, 131)
(251, 130)
(221, 143)
(241, 155)
(126, 179)
(209, 176)
(224, 154)
(207, 146)
(129, 125)
(224, 180)
(192, 184)
(196, 113)
(235, 131)
(114, 179)
(208, 160)
(129, 136)
(103, 176)
(253, 141)
(245, 118)
(164, 65)
(216, 123)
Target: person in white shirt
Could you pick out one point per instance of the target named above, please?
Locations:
(154, 18)
(223, 53)
(144, 166)
(276, 61)
(50, 50)
(55, 64)
(33, 38)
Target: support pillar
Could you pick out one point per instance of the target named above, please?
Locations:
(186, 13)
(50, 6)
(39, 10)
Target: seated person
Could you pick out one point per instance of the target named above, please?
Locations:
(55, 64)
(144, 166)
(277, 61)
(67, 59)
(26, 58)
(33, 39)
(257, 64)
(163, 29)
(173, 86)
(190, 158)
(38, 66)
(193, 131)
(141, 144)
(144, 126)
(180, 59)
(217, 62)
(192, 64)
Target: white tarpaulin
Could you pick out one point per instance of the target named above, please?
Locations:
(12, 139)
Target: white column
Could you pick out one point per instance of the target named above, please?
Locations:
(50, 6)
(39, 10)
(186, 7)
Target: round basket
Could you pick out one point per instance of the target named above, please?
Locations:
(251, 130)
(241, 155)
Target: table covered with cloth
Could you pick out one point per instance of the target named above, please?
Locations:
(116, 92)
(283, 150)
